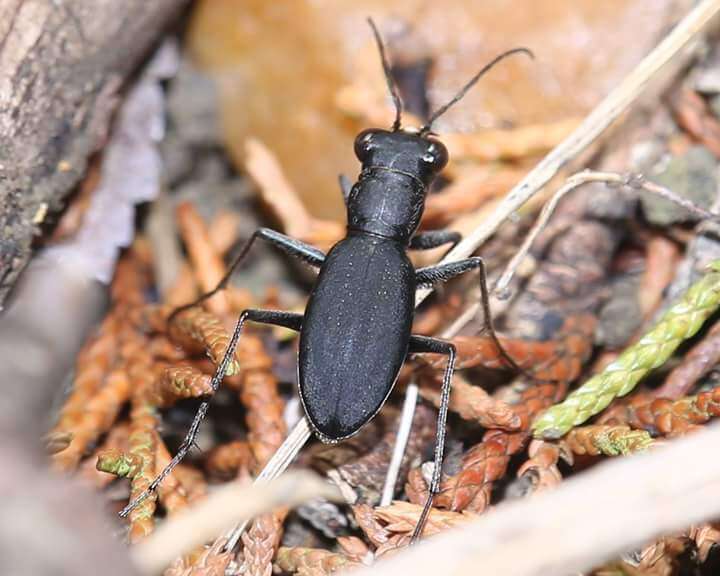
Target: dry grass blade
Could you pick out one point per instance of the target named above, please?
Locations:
(279, 462)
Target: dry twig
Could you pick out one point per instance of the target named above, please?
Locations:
(696, 363)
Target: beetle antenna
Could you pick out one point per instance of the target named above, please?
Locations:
(392, 87)
(464, 90)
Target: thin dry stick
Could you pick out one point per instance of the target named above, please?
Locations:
(632, 181)
(594, 124)
(515, 538)
(401, 440)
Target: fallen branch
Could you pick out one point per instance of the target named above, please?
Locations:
(63, 65)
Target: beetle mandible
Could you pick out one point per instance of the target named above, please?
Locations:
(355, 333)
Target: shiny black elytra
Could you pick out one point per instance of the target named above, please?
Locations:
(355, 333)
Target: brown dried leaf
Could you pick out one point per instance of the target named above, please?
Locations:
(695, 364)
(693, 115)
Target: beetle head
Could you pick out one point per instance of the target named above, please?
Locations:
(402, 151)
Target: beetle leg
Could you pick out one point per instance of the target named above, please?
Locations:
(345, 187)
(445, 272)
(425, 344)
(290, 246)
(290, 320)
(434, 238)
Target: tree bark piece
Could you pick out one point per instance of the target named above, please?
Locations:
(61, 67)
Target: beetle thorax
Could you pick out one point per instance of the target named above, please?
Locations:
(386, 204)
(397, 168)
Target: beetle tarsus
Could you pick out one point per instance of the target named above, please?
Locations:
(427, 345)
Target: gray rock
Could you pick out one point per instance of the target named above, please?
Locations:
(692, 176)
(621, 315)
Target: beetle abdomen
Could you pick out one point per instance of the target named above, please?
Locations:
(355, 333)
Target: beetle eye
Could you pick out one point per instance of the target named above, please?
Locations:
(364, 143)
(436, 156)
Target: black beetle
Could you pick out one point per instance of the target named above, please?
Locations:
(355, 333)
